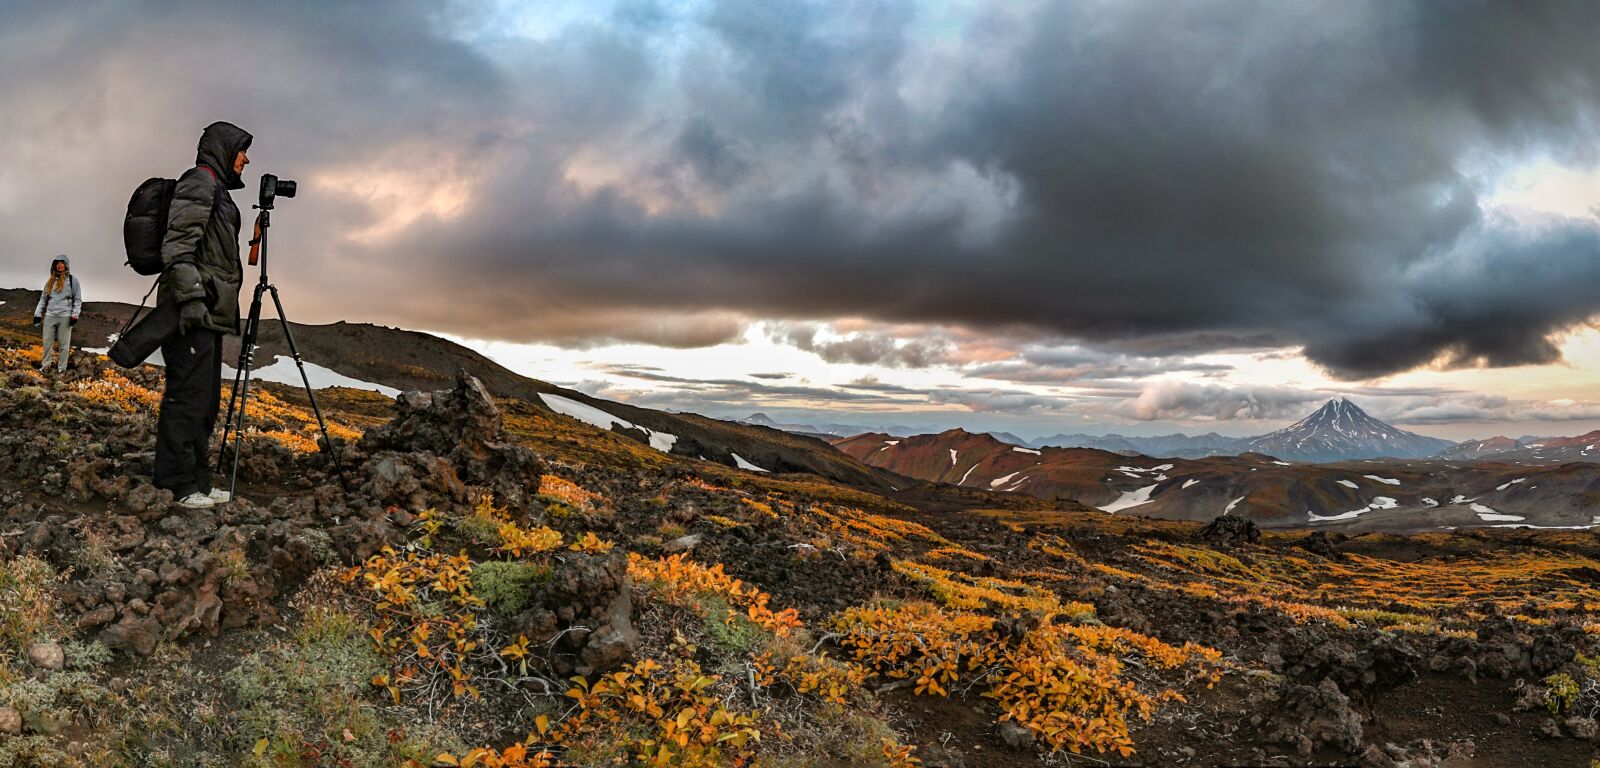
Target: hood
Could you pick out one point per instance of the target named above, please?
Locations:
(63, 259)
(219, 145)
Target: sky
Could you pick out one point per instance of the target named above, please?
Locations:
(1039, 217)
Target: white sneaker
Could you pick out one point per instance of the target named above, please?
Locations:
(219, 496)
(196, 500)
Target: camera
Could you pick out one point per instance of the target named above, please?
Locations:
(273, 187)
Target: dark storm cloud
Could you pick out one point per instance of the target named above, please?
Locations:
(1151, 178)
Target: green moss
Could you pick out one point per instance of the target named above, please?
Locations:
(478, 528)
(507, 586)
(728, 629)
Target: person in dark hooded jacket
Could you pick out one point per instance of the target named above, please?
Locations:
(203, 277)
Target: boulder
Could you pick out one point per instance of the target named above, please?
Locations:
(48, 656)
(1230, 531)
(10, 722)
(583, 614)
(447, 441)
(135, 634)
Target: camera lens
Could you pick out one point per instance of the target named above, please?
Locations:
(285, 188)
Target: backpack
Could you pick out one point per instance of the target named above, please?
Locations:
(144, 227)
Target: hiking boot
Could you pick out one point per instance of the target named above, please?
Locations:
(219, 496)
(196, 500)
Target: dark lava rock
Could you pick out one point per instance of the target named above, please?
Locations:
(461, 426)
(583, 616)
(1323, 543)
(1230, 531)
(1311, 717)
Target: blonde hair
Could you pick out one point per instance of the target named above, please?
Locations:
(58, 280)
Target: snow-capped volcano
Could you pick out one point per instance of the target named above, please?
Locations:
(1339, 431)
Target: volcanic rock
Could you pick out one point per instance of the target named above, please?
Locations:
(1230, 531)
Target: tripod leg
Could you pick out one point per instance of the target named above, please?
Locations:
(333, 455)
(233, 399)
(241, 387)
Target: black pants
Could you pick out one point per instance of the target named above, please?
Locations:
(188, 412)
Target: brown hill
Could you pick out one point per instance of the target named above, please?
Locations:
(1392, 495)
(410, 360)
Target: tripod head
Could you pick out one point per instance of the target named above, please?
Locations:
(272, 188)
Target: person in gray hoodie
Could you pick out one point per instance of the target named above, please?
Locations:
(59, 306)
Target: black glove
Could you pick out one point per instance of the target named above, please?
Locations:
(191, 315)
(73, 320)
(37, 320)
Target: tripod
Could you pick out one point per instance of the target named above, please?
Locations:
(234, 423)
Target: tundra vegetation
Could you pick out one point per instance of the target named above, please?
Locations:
(502, 586)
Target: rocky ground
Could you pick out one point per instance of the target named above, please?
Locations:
(489, 583)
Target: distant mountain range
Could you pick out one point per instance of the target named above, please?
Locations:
(1338, 431)
(763, 420)
(1392, 494)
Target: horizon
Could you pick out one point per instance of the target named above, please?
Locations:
(884, 213)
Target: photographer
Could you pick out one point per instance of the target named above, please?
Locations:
(203, 277)
(58, 309)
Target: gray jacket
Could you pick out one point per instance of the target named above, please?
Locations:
(67, 302)
(202, 242)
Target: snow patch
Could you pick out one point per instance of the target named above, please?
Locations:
(1025, 450)
(1508, 485)
(1349, 484)
(283, 371)
(999, 481)
(1130, 499)
(1545, 527)
(891, 442)
(1488, 514)
(1283, 463)
(1189, 482)
(952, 457)
(963, 480)
(1384, 480)
(742, 464)
(1316, 518)
(589, 414)
(1228, 509)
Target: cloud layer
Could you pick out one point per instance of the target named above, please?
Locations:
(1151, 179)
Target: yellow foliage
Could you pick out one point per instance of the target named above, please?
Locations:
(663, 717)
(592, 544)
(959, 590)
(1064, 682)
(681, 580)
(570, 493)
(423, 646)
(114, 389)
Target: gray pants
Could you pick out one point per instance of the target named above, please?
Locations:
(57, 331)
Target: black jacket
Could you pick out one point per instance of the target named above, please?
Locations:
(202, 242)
